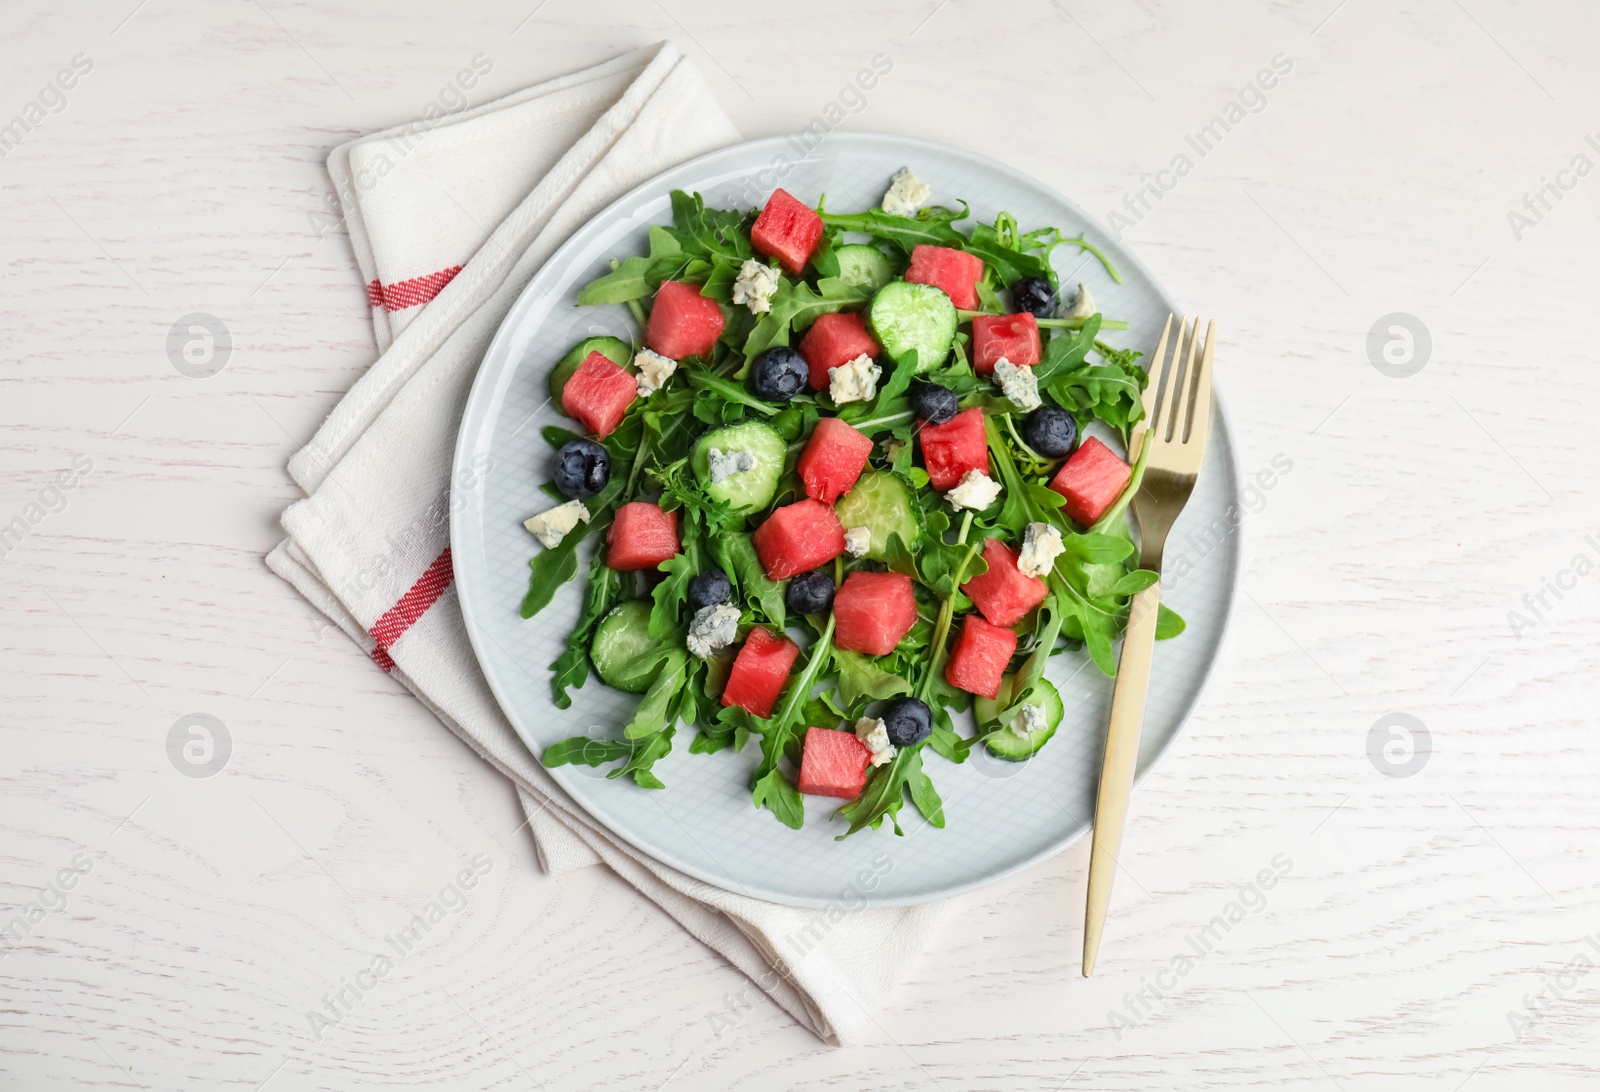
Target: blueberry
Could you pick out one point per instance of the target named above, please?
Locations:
(582, 468)
(907, 721)
(1034, 294)
(810, 593)
(1050, 431)
(933, 403)
(779, 374)
(708, 589)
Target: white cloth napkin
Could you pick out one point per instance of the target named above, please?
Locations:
(448, 223)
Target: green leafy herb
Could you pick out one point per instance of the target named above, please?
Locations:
(861, 680)
(736, 554)
(640, 755)
(571, 668)
(635, 278)
(709, 233)
(795, 305)
(729, 391)
(930, 227)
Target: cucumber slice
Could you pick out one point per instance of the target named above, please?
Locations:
(613, 349)
(622, 650)
(908, 316)
(745, 490)
(883, 503)
(864, 266)
(1005, 743)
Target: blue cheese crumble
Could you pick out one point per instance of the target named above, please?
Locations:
(733, 462)
(654, 371)
(755, 285)
(1083, 306)
(1017, 383)
(553, 526)
(907, 193)
(713, 627)
(875, 737)
(856, 381)
(1041, 545)
(1029, 719)
(857, 540)
(976, 491)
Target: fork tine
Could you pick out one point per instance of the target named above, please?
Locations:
(1152, 390)
(1198, 426)
(1175, 398)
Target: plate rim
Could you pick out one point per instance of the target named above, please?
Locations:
(481, 386)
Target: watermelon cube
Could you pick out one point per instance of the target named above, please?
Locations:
(833, 459)
(759, 672)
(682, 321)
(1005, 593)
(797, 538)
(872, 611)
(786, 230)
(834, 341)
(833, 763)
(981, 654)
(598, 394)
(1091, 480)
(953, 448)
(1015, 337)
(954, 272)
(642, 536)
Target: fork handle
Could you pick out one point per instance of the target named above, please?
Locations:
(1122, 756)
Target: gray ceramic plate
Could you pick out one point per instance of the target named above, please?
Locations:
(1001, 816)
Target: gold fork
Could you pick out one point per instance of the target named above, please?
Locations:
(1177, 419)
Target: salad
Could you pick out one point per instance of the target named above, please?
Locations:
(846, 492)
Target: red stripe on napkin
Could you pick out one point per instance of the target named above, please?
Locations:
(413, 605)
(416, 291)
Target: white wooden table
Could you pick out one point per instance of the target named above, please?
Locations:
(1420, 916)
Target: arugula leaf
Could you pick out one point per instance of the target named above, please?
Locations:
(1134, 582)
(634, 278)
(1010, 263)
(729, 391)
(670, 595)
(905, 232)
(719, 282)
(988, 299)
(796, 305)
(736, 554)
(942, 697)
(861, 679)
(585, 751)
(651, 748)
(1083, 245)
(641, 755)
(571, 668)
(923, 794)
(709, 233)
(709, 741)
(1066, 351)
(775, 792)
(900, 559)
(652, 715)
(885, 794)
(1168, 624)
(1046, 629)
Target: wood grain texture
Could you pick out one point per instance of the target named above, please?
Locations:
(1414, 913)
